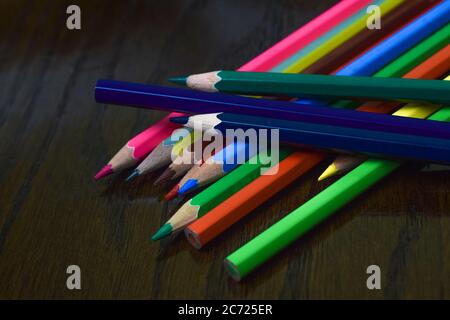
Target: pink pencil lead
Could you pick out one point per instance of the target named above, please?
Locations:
(105, 171)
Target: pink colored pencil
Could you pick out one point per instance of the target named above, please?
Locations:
(305, 35)
(141, 145)
(136, 149)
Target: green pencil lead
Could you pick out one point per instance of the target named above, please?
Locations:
(163, 232)
(179, 80)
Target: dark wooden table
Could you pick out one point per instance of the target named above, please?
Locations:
(54, 137)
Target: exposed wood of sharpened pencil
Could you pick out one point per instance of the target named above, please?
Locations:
(320, 86)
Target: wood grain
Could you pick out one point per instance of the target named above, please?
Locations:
(53, 138)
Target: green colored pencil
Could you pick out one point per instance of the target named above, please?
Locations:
(216, 193)
(320, 86)
(298, 222)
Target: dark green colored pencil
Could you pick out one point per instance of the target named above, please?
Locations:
(319, 86)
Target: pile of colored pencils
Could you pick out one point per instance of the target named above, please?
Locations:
(371, 111)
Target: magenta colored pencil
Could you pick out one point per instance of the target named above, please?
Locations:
(141, 145)
(136, 149)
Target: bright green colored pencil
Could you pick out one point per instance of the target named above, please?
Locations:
(320, 86)
(298, 222)
(217, 193)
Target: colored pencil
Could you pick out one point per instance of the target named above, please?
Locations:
(221, 163)
(345, 35)
(434, 67)
(183, 158)
(359, 141)
(161, 154)
(341, 164)
(196, 161)
(136, 149)
(216, 193)
(304, 35)
(391, 22)
(182, 163)
(173, 193)
(225, 214)
(319, 86)
(257, 251)
(176, 169)
(254, 194)
(190, 101)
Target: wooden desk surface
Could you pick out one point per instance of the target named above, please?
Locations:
(54, 137)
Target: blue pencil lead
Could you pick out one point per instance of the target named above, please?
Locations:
(188, 186)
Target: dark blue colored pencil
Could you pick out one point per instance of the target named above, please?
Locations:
(337, 138)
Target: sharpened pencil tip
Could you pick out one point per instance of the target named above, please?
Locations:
(188, 186)
(179, 80)
(105, 171)
(180, 120)
(172, 193)
(133, 175)
(164, 177)
(329, 172)
(163, 232)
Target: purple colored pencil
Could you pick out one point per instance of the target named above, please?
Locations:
(193, 102)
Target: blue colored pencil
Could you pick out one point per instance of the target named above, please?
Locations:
(217, 166)
(367, 142)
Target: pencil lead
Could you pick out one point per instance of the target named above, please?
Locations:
(329, 172)
(180, 120)
(163, 232)
(188, 186)
(179, 80)
(164, 177)
(105, 171)
(133, 175)
(172, 193)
